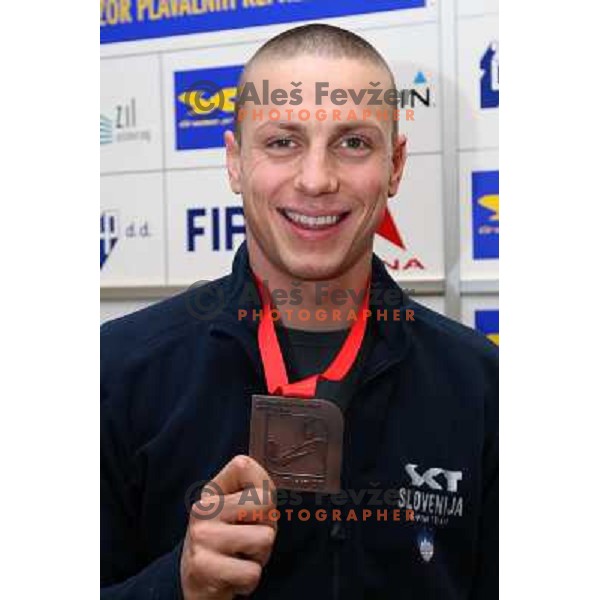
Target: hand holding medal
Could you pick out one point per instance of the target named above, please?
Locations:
(223, 554)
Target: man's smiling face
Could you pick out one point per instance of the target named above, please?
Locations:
(314, 191)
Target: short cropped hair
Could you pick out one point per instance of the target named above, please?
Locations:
(316, 39)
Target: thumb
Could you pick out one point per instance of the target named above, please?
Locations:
(242, 472)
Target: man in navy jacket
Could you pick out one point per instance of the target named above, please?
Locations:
(418, 513)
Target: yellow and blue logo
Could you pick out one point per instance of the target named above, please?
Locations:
(204, 106)
(488, 322)
(486, 214)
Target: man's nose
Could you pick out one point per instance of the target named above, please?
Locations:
(316, 174)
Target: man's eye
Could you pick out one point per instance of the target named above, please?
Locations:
(355, 143)
(281, 143)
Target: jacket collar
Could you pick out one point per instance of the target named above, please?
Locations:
(393, 336)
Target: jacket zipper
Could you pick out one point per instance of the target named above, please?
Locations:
(337, 536)
(336, 573)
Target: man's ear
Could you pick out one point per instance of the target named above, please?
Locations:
(232, 149)
(398, 161)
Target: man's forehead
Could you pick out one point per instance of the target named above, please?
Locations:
(336, 72)
(314, 79)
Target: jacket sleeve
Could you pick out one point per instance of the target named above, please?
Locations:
(159, 581)
(124, 572)
(487, 576)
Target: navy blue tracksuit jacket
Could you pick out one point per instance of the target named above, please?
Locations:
(421, 439)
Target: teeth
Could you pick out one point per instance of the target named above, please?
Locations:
(322, 221)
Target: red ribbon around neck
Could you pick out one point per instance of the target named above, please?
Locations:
(272, 358)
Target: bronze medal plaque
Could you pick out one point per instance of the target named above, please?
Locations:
(299, 442)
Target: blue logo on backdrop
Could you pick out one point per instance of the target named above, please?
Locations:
(220, 224)
(204, 106)
(490, 78)
(486, 214)
(488, 322)
(123, 20)
(109, 234)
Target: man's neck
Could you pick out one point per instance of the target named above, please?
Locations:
(324, 305)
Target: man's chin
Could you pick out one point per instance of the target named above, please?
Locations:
(314, 269)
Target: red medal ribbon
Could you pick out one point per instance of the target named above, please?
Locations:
(272, 358)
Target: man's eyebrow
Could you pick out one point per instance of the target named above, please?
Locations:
(287, 125)
(339, 128)
(354, 125)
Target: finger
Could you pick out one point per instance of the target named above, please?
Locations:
(246, 506)
(253, 542)
(242, 472)
(221, 573)
(252, 514)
